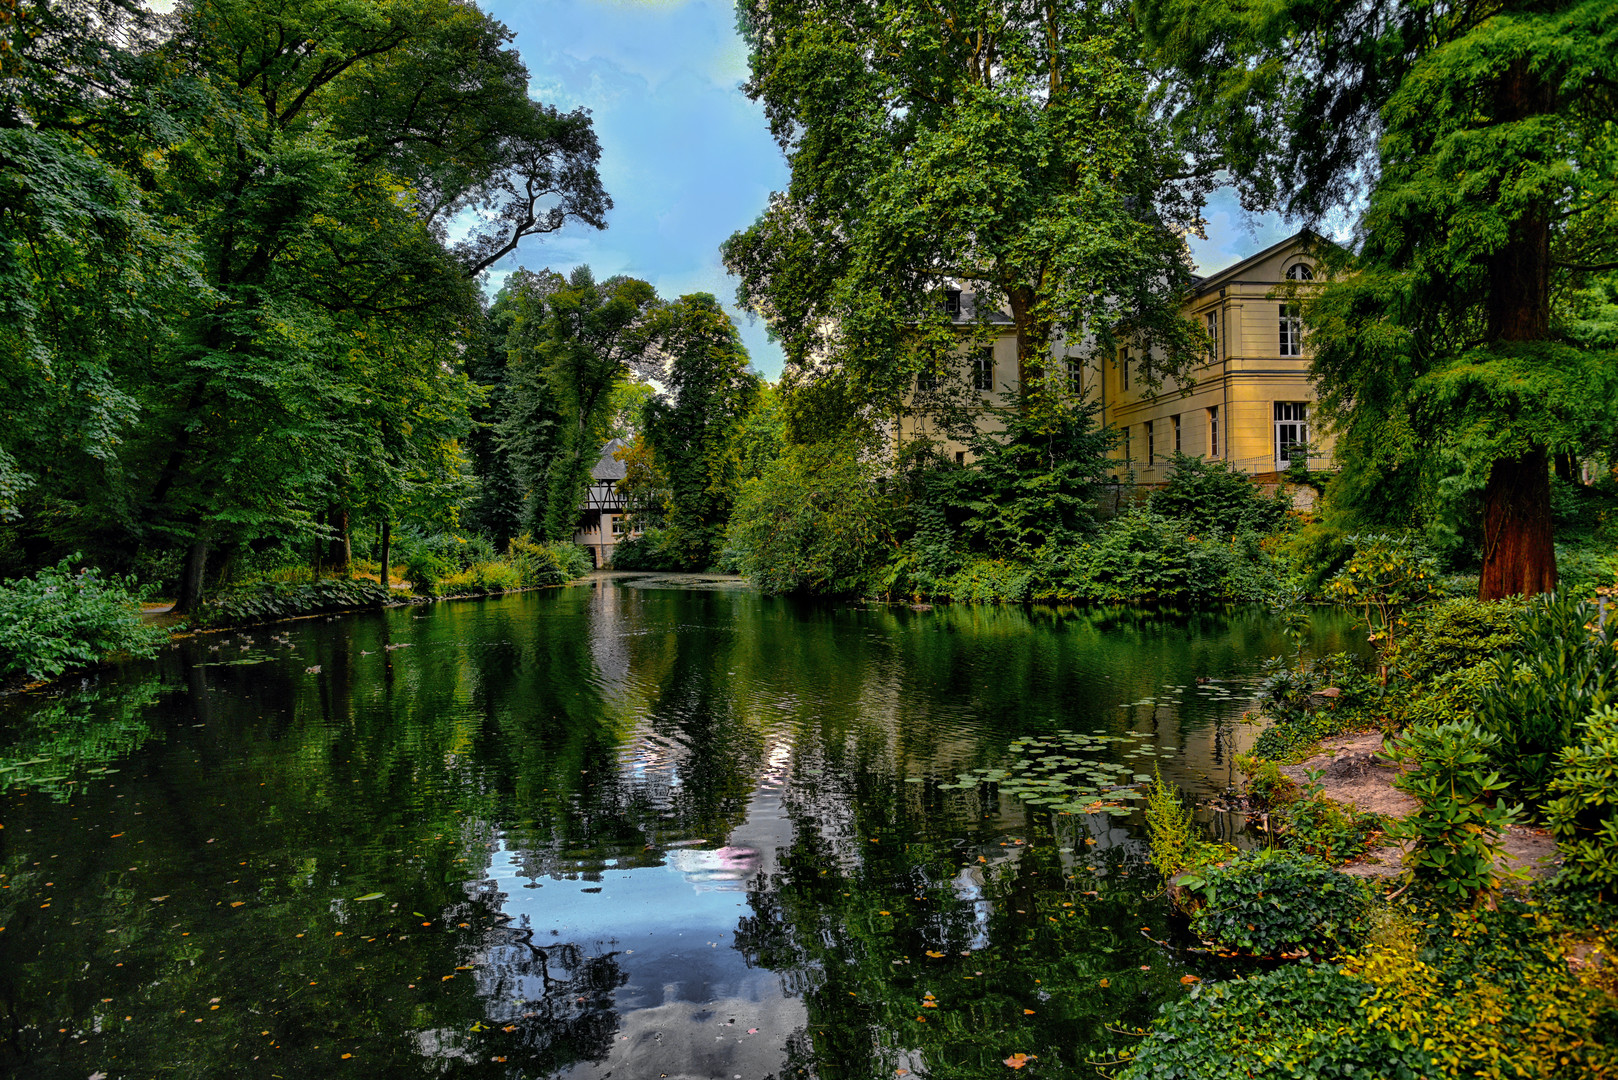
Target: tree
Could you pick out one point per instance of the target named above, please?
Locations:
(571, 342)
(1001, 145)
(693, 428)
(1479, 137)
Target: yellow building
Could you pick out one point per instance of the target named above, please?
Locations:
(1249, 405)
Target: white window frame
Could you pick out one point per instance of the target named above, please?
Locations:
(1291, 429)
(983, 369)
(1300, 272)
(1211, 317)
(1213, 431)
(1291, 330)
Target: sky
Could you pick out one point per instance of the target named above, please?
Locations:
(687, 159)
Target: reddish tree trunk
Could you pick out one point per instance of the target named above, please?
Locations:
(1519, 558)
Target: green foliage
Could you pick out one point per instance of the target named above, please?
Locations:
(481, 579)
(268, 600)
(812, 521)
(547, 564)
(570, 343)
(1175, 843)
(1213, 500)
(424, 568)
(1301, 1021)
(1315, 825)
(61, 619)
(1033, 481)
(648, 551)
(1454, 634)
(693, 432)
(1039, 182)
(1141, 557)
(1455, 835)
(1583, 810)
(1267, 787)
(1386, 577)
(1563, 667)
(1277, 903)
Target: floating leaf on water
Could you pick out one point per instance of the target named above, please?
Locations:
(912, 779)
(370, 896)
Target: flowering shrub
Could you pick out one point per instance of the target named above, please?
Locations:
(61, 619)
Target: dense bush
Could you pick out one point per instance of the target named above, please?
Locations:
(1485, 995)
(1322, 827)
(1454, 634)
(1301, 1022)
(547, 564)
(481, 579)
(1583, 811)
(266, 600)
(1143, 557)
(1388, 575)
(61, 619)
(647, 551)
(1561, 670)
(1277, 903)
(1456, 833)
(1214, 501)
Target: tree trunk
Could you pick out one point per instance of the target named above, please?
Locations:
(1033, 342)
(191, 578)
(1519, 558)
(387, 553)
(341, 554)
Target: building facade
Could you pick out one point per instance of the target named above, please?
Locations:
(604, 518)
(1250, 404)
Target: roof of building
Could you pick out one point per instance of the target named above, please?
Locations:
(608, 467)
(1233, 271)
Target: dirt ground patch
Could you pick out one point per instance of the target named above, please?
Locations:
(1354, 774)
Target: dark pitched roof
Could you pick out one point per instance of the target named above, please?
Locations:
(608, 467)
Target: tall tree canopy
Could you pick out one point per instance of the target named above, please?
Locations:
(270, 285)
(1476, 142)
(1000, 144)
(571, 342)
(693, 429)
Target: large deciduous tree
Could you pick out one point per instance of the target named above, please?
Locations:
(1003, 145)
(692, 430)
(571, 341)
(1475, 140)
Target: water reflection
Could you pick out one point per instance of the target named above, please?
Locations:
(611, 829)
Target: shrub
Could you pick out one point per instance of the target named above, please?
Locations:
(1141, 556)
(1277, 903)
(1301, 1021)
(1562, 669)
(1267, 786)
(267, 600)
(1172, 834)
(1214, 501)
(1454, 634)
(61, 619)
(482, 578)
(1385, 578)
(1316, 825)
(1583, 812)
(547, 564)
(424, 569)
(1456, 835)
(648, 551)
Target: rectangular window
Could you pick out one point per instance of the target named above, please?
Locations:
(1123, 365)
(960, 457)
(1291, 432)
(1213, 431)
(620, 525)
(1176, 419)
(952, 302)
(1213, 333)
(1128, 454)
(1075, 376)
(1151, 444)
(983, 370)
(927, 377)
(1291, 330)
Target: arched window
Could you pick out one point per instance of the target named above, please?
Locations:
(1300, 272)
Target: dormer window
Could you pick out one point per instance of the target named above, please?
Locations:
(1300, 272)
(952, 303)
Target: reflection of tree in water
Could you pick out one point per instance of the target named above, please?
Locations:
(947, 956)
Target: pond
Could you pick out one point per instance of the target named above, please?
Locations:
(634, 827)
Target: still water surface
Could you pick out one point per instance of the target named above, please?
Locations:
(627, 828)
